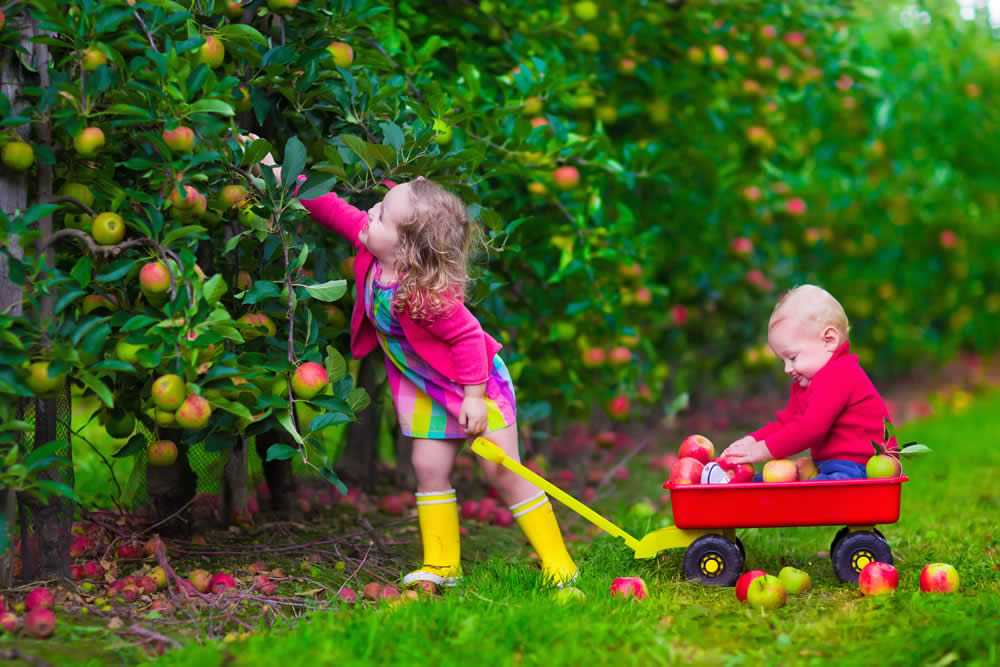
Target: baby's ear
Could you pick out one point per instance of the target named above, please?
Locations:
(832, 337)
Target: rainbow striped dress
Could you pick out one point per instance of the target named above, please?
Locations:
(427, 403)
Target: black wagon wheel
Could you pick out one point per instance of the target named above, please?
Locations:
(844, 531)
(743, 551)
(856, 550)
(714, 560)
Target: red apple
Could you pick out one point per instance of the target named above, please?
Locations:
(194, 413)
(348, 595)
(686, 471)
(620, 355)
(212, 52)
(697, 447)
(743, 583)
(503, 518)
(625, 587)
(93, 570)
(161, 453)
(309, 380)
(40, 623)
(79, 546)
(796, 206)
(780, 470)
(264, 585)
(9, 622)
(220, 583)
(594, 356)
(806, 468)
(566, 178)
(39, 598)
(737, 472)
(470, 509)
(939, 578)
(343, 54)
(391, 505)
(878, 579)
(618, 407)
(154, 278)
(767, 592)
(180, 139)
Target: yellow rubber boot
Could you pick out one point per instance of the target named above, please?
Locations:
(437, 514)
(538, 521)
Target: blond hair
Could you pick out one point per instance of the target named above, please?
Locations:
(812, 305)
(435, 248)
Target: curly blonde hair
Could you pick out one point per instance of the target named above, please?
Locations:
(436, 246)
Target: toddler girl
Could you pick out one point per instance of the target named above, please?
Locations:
(447, 381)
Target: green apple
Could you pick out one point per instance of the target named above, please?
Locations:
(169, 392)
(795, 581)
(41, 382)
(18, 155)
(343, 54)
(89, 141)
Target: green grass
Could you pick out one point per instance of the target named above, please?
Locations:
(502, 615)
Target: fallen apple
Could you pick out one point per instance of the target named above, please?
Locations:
(743, 583)
(570, 594)
(625, 587)
(878, 579)
(766, 592)
(938, 578)
(201, 580)
(39, 598)
(40, 623)
(795, 581)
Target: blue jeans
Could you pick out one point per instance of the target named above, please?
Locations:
(833, 469)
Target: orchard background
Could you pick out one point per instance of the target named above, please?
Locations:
(651, 174)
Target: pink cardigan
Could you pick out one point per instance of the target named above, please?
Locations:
(836, 416)
(455, 345)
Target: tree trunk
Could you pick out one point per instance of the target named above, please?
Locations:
(171, 490)
(356, 466)
(278, 473)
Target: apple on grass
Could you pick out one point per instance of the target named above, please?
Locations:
(939, 578)
(766, 592)
(39, 598)
(780, 470)
(201, 580)
(743, 583)
(878, 579)
(795, 581)
(625, 587)
(697, 447)
(570, 594)
(40, 623)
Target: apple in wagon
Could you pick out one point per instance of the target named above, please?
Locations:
(697, 447)
(737, 472)
(686, 471)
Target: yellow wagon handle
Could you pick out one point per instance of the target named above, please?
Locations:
(489, 451)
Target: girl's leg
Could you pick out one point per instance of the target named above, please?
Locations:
(437, 512)
(532, 509)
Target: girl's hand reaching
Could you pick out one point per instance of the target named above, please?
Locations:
(472, 416)
(748, 450)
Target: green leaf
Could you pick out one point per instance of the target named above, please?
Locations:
(233, 407)
(214, 289)
(280, 452)
(335, 365)
(329, 419)
(358, 399)
(81, 271)
(262, 289)
(57, 488)
(295, 161)
(914, 449)
(392, 136)
(284, 418)
(98, 388)
(116, 271)
(360, 147)
(256, 152)
(328, 291)
(66, 299)
(212, 106)
(134, 445)
(182, 233)
(332, 477)
(46, 451)
(127, 110)
(235, 32)
(316, 187)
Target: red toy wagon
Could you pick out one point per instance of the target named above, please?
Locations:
(706, 517)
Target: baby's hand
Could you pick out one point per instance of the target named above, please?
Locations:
(747, 450)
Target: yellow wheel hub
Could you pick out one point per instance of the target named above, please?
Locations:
(862, 558)
(712, 565)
